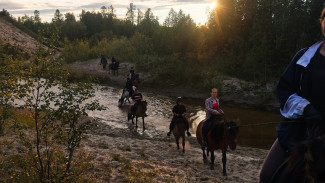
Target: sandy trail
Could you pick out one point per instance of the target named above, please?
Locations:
(158, 156)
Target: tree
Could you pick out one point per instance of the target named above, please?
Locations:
(103, 10)
(171, 19)
(37, 18)
(55, 107)
(112, 11)
(69, 18)
(139, 17)
(130, 14)
(58, 17)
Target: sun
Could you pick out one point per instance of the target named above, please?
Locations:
(214, 4)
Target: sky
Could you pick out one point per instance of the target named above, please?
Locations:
(198, 9)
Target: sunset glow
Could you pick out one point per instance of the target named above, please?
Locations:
(198, 10)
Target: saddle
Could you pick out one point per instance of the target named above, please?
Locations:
(217, 121)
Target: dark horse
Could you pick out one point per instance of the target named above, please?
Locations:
(221, 135)
(124, 97)
(179, 131)
(305, 162)
(140, 112)
(114, 67)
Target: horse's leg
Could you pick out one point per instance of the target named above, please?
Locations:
(224, 162)
(143, 124)
(212, 161)
(183, 143)
(204, 155)
(136, 121)
(177, 142)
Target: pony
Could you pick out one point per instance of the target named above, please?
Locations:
(114, 67)
(221, 135)
(140, 112)
(179, 131)
(125, 97)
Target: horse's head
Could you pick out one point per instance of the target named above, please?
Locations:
(231, 134)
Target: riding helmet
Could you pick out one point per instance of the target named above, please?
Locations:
(179, 99)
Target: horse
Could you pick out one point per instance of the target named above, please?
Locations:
(125, 97)
(305, 162)
(114, 67)
(221, 135)
(140, 112)
(179, 131)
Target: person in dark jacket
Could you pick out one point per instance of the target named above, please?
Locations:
(301, 91)
(129, 86)
(179, 111)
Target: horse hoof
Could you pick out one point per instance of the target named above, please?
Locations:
(224, 174)
(132, 123)
(205, 160)
(212, 167)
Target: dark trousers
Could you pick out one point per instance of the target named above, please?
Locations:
(172, 123)
(206, 127)
(272, 162)
(135, 106)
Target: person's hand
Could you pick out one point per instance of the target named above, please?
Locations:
(314, 121)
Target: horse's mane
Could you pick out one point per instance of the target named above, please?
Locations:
(218, 129)
(306, 160)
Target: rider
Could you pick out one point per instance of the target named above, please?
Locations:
(137, 98)
(113, 60)
(131, 75)
(129, 86)
(179, 111)
(103, 60)
(212, 111)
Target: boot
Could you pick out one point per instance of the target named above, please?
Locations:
(188, 133)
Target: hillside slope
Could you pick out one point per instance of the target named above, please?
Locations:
(10, 34)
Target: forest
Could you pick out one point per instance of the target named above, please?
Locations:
(252, 40)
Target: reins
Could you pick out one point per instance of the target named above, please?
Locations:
(267, 123)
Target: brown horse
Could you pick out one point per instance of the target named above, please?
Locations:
(305, 162)
(140, 112)
(179, 131)
(221, 135)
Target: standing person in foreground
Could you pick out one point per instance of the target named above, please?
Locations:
(301, 91)
(212, 111)
(179, 111)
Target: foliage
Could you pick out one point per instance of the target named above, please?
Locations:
(252, 40)
(55, 107)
